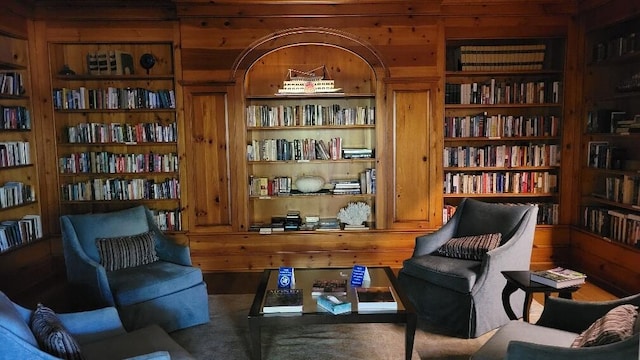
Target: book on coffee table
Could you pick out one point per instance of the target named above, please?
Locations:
(282, 300)
(558, 277)
(329, 286)
(376, 298)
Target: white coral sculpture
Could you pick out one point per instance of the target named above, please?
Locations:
(355, 213)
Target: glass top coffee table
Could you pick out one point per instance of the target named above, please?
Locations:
(312, 314)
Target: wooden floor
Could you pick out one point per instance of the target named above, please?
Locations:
(56, 293)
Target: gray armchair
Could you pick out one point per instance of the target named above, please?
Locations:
(462, 297)
(561, 321)
(169, 292)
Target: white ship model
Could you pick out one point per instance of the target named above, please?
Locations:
(308, 82)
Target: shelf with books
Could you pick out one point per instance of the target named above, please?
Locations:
(611, 163)
(20, 211)
(502, 122)
(116, 125)
(331, 139)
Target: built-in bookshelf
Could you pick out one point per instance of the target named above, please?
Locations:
(116, 128)
(327, 136)
(610, 206)
(20, 223)
(503, 123)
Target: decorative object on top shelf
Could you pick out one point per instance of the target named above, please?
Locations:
(66, 70)
(355, 213)
(112, 62)
(147, 61)
(309, 183)
(308, 82)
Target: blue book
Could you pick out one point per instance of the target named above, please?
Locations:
(334, 304)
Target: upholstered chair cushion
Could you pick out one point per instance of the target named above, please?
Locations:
(52, 336)
(616, 325)
(470, 247)
(126, 251)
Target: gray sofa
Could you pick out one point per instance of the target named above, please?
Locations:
(562, 320)
(99, 333)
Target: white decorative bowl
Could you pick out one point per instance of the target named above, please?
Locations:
(309, 184)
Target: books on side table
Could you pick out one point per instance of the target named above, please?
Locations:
(282, 301)
(376, 298)
(334, 304)
(558, 277)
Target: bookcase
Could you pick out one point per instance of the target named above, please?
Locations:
(20, 223)
(116, 130)
(610, 205)
(503, 122)
(327, 135)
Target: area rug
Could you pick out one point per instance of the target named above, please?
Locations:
(226, 337)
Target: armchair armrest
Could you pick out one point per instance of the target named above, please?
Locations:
(627, 349)
(89, 326)
(87, 272)
(167, 249)
(577, 316)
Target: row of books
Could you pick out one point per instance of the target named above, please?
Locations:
(264, 186)
(616, 46)
(547, 213)
(309, 115)
(623, 189)
(521, 182)
(502, 156)
(15, 153)
(15, 118)
(615, 225)
(104, 162)
(121, 189)
(501, 57)
(602, 155)
(494, 92)
(297, 149)
(14, 233)
(110, 62)
(11, 83)
(91, 133)
(113, 98)
(331, 297)
(14, 193)
(499, 126)
(283, 185)
(168, 220)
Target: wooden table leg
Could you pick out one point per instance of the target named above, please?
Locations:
(509, 289)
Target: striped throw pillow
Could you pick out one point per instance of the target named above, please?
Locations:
(127, 251)
(470, 247)
(614, 326)
(52, 336)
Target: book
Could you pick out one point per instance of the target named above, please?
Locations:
(325, 286)
(376, 298)
(334, 304)
(282, 300)
(558, 277)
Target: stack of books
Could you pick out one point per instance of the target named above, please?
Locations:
(346, 187)
(334, 304)
(357, 153)
(558, 277)
(282, 300)
(329, 287)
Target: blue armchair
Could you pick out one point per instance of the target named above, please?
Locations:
(169, 292)
(462, 297)
(99, 333)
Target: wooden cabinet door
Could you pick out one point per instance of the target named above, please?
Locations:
(207, 164)
(416, 196)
